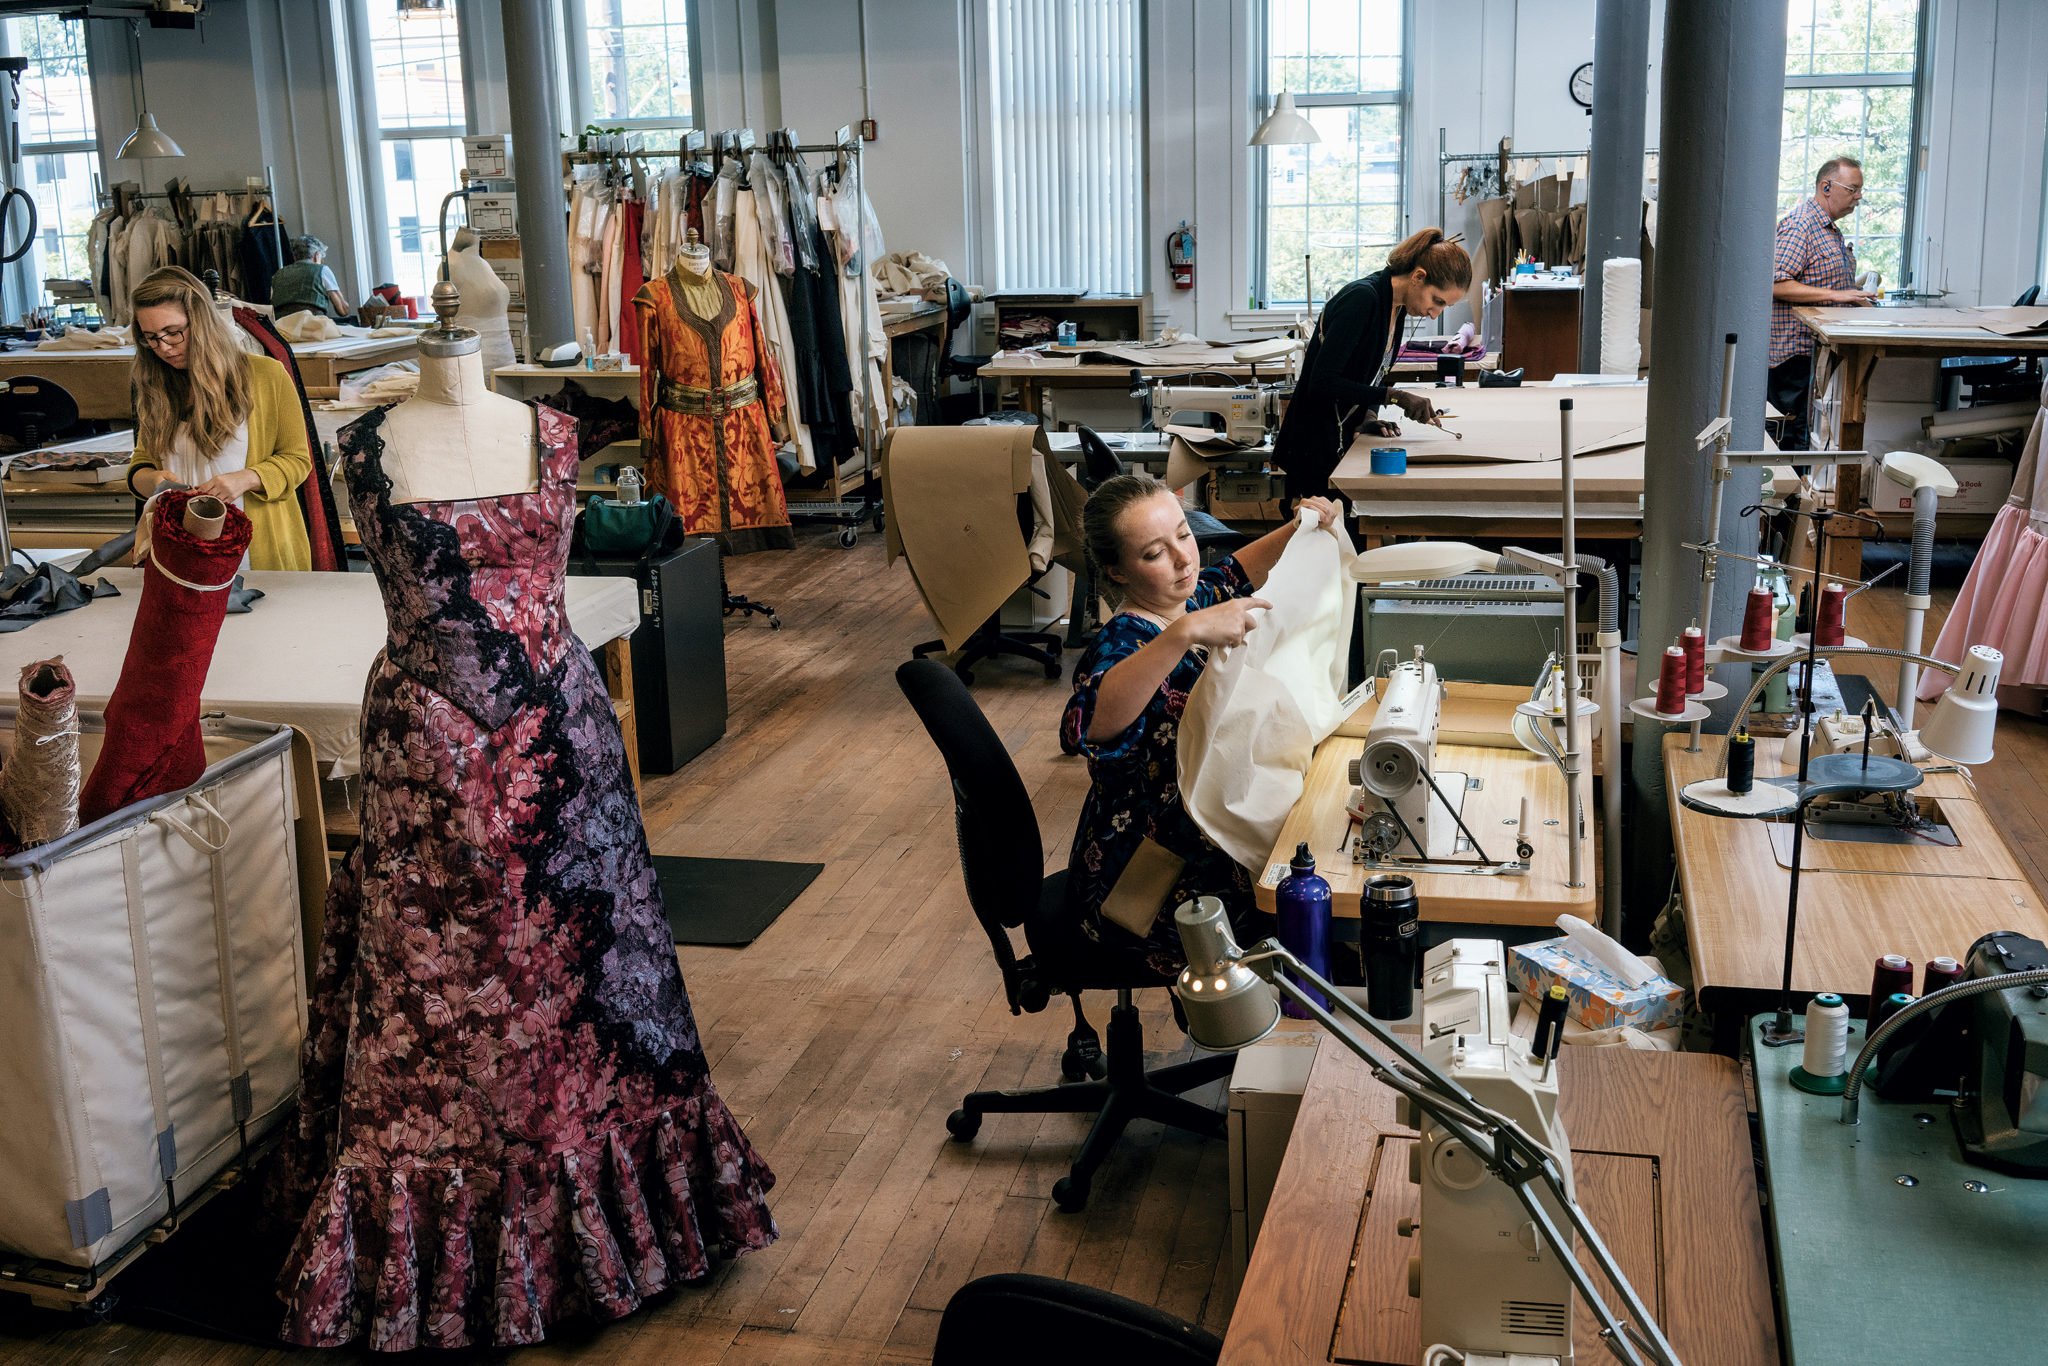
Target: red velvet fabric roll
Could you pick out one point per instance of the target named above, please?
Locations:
(1834, 600)
(1671, 682)
(1694, 640)
(1759, 617)
(152, 742)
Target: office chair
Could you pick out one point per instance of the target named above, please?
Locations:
(1013, 1319)
(1993, 379)
(1003, 863)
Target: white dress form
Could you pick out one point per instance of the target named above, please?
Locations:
(485, 301)
(455, 439)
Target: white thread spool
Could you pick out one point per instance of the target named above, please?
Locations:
(1827, 1036)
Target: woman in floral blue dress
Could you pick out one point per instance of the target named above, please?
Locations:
(1130, 690)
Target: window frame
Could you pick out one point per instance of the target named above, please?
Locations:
(1265, 97)
(23, 174)
(1916, 80)
(380, 224)
(576, 26)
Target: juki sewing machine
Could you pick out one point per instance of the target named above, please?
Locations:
(1490, 1287)
(1244, 415)
(1410, 815)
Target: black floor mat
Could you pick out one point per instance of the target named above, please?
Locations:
(728, 901)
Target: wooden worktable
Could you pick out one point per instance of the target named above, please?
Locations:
(1505, 770)
(1851, 341)
(1033, 378)
(1856, 901)
(1661, 1161)
(98, 380)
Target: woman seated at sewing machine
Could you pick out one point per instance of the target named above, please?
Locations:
(1358, 335)
(1137, 853)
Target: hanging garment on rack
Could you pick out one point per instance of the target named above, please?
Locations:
(263, 252)
(507, 1116)
(820, 360)
(771, 208)
(855, 238)
(589, 209)
(697, 185)
(98, 239)
(611, 271)
(707, 394)
(723, 239)
(631, 277)
(316, 491)
(754, 267)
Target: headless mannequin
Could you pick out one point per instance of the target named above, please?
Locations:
(485, 300)
(454, 439)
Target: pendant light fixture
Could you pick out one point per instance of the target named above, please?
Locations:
(1284, 127)
(147, 141)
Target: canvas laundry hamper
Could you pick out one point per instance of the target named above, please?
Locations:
(152, 1001)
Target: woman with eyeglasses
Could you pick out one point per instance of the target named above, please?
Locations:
(212, 418)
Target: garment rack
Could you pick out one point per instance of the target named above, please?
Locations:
(267, 190)
(1503, 152)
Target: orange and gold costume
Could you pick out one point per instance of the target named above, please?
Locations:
(708, 390)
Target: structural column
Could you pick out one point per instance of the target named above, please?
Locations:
(543, 213)
(1614, 189)
(1717, 197)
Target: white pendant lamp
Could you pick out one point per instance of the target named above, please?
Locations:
(1285, 127)
(147, 141)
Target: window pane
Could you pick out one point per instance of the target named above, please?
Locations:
(1874, 124)
(1333, 47)
(56, 90)
(639, 60)
(412, 206)
(1850, 37)
(64, 210)
(418, 61)
(1338, 201)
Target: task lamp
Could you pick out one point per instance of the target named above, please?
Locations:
(1232, 1000)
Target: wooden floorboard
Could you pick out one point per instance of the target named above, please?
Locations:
(847, 1031)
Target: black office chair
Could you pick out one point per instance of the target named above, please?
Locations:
(966, 365)
(1013, 1319)
(1993, 379)
(1003, 864)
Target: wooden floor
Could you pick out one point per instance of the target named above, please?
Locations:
(843, 1036)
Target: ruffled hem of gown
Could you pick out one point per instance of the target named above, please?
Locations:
(2002, 603)
(630, 1213)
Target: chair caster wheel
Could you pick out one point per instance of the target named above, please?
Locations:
(1053, 670)
(963, 1125)
(1070, 1195)
(847, 538)
(775, 623)
(966, 676)
(1083, 1064)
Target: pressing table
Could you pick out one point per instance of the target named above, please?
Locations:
(1662, 1164)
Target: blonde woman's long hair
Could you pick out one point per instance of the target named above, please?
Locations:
(210, 396)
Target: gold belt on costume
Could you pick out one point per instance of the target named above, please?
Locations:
(694, 402)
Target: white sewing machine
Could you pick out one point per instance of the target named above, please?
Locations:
(1489, 1286)
(1406, 809)
(1244, 415)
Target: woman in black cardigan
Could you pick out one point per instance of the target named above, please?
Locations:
(1344, 371)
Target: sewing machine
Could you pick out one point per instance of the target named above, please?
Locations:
(1244, 415)
(1489, 1287)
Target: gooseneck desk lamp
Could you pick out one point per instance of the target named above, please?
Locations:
(1232, 999)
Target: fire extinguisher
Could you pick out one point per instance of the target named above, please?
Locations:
(1180, 255)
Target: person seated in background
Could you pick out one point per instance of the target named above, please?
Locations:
(307, 285)
(1130, 689)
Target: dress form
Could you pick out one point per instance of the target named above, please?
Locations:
(485, 300)
(455, 439)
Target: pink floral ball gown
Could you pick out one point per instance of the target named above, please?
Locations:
(506, 1117)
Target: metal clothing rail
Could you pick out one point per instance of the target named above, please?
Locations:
(267, 190)
(1503, 152)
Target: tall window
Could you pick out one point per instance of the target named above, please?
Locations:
(416, 61)
(1335, 205)
(59, 149)
(1066, 145)
(1849, 83)
(636, 71)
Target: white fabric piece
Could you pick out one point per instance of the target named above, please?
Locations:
(101, 1035)
(1258, 711)
(79, 339)
(298, 659)
(1621, 316)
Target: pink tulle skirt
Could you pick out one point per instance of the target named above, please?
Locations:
(2001, 605)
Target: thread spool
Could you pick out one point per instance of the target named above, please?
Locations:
(1694, 642)
(1882, 1010)
(1894, 973)
(1834, 609)
(1671, 682)
(1941, 972)
(1741, 762)
(1824, 1067)
(1759, 619)
(204, 518)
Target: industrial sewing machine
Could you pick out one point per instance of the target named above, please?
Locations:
(1489, 1286)
(1243, 415)
(1410, 814)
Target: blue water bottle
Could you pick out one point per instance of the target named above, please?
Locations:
(1304, 902)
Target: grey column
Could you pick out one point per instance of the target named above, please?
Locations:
(1723, 77)
(1614, 188)
(536, 137)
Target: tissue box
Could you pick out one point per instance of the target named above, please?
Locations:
(1599, 1000)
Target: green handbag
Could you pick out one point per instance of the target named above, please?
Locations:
(626, 531)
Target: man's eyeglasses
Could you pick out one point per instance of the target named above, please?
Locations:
(170, 336)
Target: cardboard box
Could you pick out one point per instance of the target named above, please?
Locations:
(513, 275)
(494, 215)
(1982, 484)
(1248, 488)
(488, 157)
(1265, 1096)
(1598, 1000)
(498, 248)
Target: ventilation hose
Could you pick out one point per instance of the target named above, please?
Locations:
(28, 237)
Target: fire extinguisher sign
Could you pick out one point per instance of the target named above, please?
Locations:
(1180, 255)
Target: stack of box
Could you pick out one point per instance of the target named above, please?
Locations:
(1265, 1096)
(494, 218)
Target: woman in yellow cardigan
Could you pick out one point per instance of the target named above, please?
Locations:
(211, 418)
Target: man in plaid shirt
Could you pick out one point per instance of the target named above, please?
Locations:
(1812, 265)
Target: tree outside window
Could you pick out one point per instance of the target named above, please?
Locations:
(638, 72)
